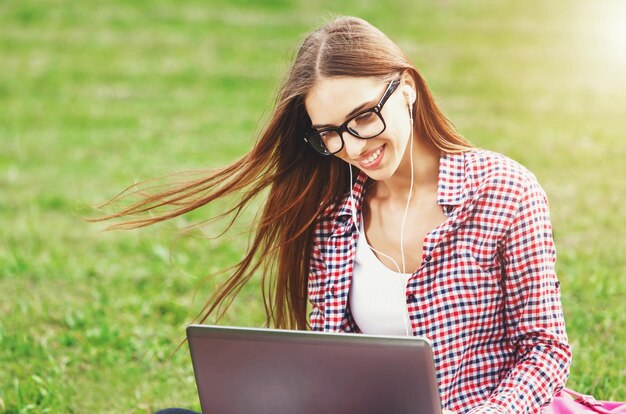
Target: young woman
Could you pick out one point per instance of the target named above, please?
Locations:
(384, 220)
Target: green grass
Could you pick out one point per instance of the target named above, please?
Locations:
(97, 95)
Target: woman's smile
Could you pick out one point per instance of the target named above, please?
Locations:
(372, 159)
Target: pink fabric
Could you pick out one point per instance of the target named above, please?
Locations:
(572, 402)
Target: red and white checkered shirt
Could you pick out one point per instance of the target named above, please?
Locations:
(486, 293)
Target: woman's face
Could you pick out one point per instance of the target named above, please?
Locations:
(332, 100)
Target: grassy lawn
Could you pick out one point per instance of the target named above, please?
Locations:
(97, 95)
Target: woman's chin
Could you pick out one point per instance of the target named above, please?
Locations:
(379, 174)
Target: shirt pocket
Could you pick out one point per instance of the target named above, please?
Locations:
(470, 289)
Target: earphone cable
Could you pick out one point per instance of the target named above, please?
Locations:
(354, 215)
(354, 219)
(408, 200)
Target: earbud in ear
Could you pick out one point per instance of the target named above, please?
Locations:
(409, 102)
(410, 95)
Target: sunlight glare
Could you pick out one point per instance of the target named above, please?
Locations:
(599, 43)
(608, 26)
(613, 32)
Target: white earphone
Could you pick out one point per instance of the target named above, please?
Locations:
(410, 94)
(406, 210)
(411, 99)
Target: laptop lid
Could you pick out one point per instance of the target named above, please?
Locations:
(248, 370)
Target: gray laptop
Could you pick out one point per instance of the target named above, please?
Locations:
(246, 370)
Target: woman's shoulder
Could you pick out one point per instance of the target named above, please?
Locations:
(493, 179)
(489, 169)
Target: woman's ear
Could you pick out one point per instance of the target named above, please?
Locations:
(409, 93)
(408, 88)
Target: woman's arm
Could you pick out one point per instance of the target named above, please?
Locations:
(533, 313)
(315, 290)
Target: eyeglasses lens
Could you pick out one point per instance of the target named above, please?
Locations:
(366, 125)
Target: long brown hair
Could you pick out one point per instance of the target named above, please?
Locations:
(300, 183)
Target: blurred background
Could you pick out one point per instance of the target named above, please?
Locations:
(95, 96)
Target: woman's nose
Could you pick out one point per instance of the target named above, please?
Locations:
(354, 146)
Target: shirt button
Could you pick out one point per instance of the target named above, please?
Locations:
(411, 298)
(428, 258)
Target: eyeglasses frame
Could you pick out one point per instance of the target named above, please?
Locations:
(391, 88)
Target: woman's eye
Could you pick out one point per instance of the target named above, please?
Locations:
(364, 118)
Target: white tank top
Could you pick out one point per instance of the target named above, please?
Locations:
(377, 294)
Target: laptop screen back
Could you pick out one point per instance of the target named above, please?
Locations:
(244, 370)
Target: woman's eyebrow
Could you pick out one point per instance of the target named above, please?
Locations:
(354, 111)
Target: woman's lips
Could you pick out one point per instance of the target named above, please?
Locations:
(373, 158)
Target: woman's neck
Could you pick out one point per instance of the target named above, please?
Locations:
(425, 172)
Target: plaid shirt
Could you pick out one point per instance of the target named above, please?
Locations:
(486, 293)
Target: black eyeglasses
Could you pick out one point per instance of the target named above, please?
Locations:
(366, 124)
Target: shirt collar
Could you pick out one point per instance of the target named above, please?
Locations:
(451, 179)
(449, 188)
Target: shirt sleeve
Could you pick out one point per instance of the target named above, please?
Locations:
(315, 288)
(533, 312)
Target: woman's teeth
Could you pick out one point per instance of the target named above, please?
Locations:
(374, 156)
